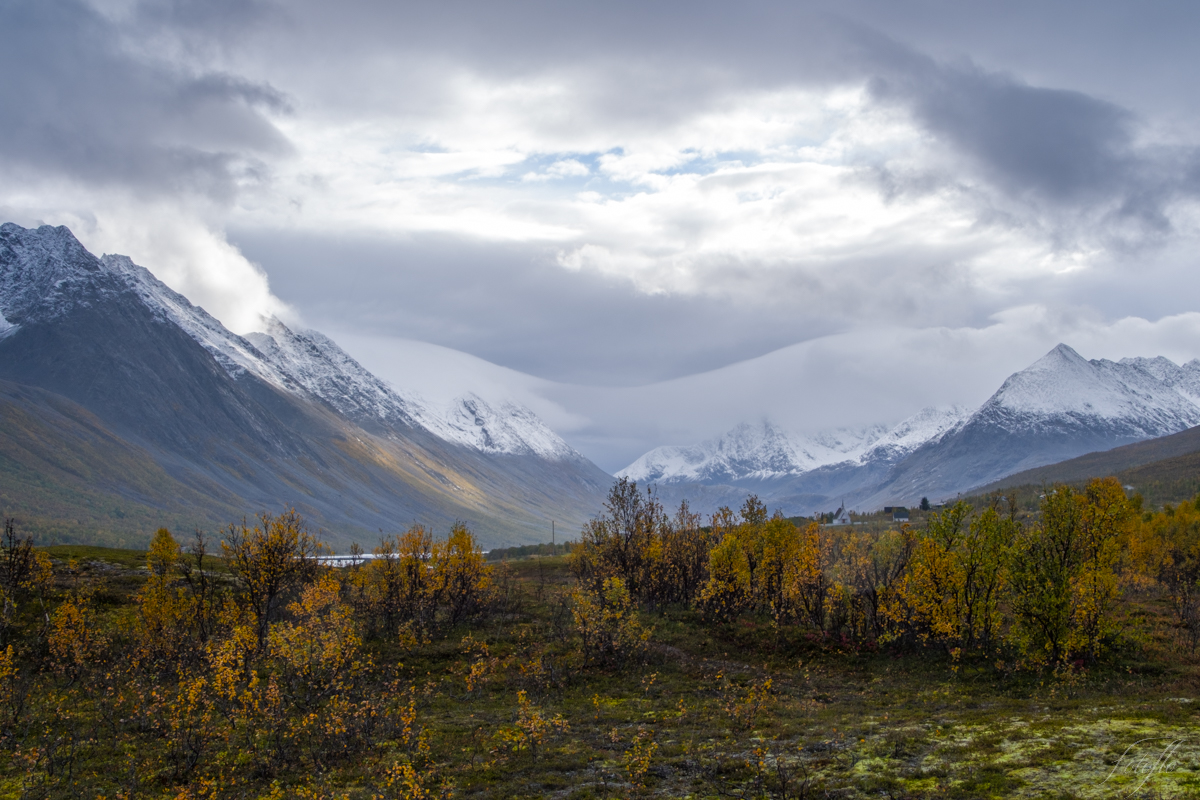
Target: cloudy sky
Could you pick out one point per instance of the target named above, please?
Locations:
(647, 220)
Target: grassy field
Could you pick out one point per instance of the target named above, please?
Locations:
(744, 710)
(505, 708)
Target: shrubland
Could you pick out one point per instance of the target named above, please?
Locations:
(983, 653)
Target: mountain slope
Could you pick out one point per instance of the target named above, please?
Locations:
(69, 478)
(1108, 462)
(277, 419)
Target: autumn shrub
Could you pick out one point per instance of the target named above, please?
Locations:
(957, 578)
(607, 624)
(618, 542)
(415, 585)
(1164, 549)
(873, 568)
(676, 559)
(25, 574)
(166, 611)
(461, 577)
(272, 559)
(1063, 577)
(754, 565)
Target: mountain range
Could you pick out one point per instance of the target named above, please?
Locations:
(125, 407)
(1060, 407)
(124, 403)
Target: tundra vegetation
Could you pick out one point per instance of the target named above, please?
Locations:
(989, 651)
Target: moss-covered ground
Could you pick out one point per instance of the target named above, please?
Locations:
(741, 710)
(693, 720)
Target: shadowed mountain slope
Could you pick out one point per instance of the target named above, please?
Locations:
(246, 430)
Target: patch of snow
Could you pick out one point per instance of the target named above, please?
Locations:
(509, 428)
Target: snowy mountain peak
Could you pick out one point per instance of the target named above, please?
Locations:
(1064, 384)
(1164, 369)
(42, 272)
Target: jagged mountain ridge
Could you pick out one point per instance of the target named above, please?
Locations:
(311, 365)
(267, 421)
(1060, 407)
(766, 452)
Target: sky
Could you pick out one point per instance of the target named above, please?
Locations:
(647, 221)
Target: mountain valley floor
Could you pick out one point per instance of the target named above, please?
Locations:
(500, 706)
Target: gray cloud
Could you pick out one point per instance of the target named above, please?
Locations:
(76, 105)
(1063, 145)
(512, 305)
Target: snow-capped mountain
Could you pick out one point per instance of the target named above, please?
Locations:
(309, 364)
(217, 426)
(1059, 407)
(766, 451)
(1062, 390)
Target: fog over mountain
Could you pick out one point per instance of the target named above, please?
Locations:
(1059, 407)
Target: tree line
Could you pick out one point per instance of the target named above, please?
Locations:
(981, 582)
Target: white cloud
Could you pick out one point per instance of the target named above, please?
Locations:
(866, 376)
(566, 168)
(173, 242)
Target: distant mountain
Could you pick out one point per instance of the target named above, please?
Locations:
(767, 452)
(1059, 407)
(263, 421)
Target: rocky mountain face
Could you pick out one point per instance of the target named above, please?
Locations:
(1060, 407)
(264, 421)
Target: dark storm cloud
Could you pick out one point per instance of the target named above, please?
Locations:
(1049, 148)
(1062, 144)
(216, 20)
(74, 104)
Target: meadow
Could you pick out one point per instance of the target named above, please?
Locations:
(745, 657)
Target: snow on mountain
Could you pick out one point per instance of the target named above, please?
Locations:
(42, 273)
(234, 353)
(49, 266)
(1059, 407)
(506, 427)
(316, 363)
(1063, 387)
(759, 451)
(927, 425)
(766, 451)
(1185, 379)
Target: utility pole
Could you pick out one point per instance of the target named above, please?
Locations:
(551, 537)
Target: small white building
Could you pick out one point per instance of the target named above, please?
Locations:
(841, 517)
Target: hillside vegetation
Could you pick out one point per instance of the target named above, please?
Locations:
(1163, 470)
(988, 653)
